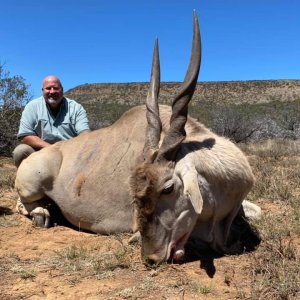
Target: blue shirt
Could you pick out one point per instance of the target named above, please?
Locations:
(37, 119)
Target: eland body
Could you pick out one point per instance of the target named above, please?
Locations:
(155, 170)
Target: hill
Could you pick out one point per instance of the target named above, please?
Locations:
(256, 91)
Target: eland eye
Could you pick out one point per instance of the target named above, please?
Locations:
(168, 189)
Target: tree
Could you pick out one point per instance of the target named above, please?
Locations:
(14, 94)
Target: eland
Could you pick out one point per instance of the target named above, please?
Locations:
(155, 171)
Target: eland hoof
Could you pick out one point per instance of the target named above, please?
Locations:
(135, 238)
(20, 208)
(40, 217)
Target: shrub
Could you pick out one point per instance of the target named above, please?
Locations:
(13, 95)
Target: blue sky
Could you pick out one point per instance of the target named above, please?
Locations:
(90, 41)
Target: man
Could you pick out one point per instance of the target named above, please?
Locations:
(49, 119)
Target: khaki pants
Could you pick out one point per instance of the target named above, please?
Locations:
(21, 152)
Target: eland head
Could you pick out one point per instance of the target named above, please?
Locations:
(162, 206)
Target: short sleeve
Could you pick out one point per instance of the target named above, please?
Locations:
(82, 122)
(27, 122)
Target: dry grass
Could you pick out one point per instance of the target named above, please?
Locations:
(275, 272)
(100, 260)
(270, 272)
(7, 177)
(273, 149)
(7, 180)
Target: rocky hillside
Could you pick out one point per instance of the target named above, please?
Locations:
(256, 91)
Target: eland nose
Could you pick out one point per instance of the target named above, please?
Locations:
(151, 260)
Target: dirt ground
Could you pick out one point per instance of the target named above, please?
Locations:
(65, 263)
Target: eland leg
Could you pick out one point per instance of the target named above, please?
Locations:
(40, 216)
(35, 177)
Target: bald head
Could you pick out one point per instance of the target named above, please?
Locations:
(52, 78)
(52, 91)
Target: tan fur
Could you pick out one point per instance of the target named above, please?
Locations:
(146, 185)
(80, 179)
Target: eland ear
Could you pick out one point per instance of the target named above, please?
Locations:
(134, 220)
(191, 188)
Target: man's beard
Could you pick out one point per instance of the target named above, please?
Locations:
(53, 102)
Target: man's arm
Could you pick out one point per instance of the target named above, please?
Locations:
(34, 141)
(29, 119)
